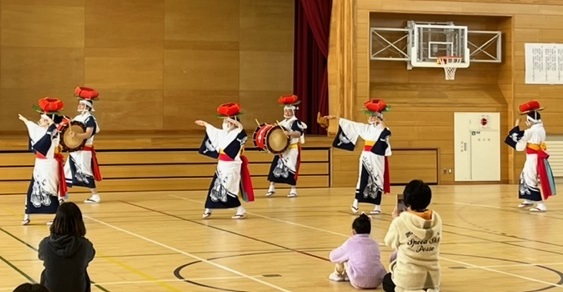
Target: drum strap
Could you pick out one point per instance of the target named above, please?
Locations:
(95, 165)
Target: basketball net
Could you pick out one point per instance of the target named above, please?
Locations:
(449, 70)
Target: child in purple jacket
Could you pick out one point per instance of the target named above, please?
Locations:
(358, 258)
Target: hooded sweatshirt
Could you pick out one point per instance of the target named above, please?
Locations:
(416, 238)
(65, 259)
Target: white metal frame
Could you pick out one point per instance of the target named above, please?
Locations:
(474, 51)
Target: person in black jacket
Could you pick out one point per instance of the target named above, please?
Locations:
(28, 287)
(66, 253)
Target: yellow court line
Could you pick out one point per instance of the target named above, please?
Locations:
(139, 273)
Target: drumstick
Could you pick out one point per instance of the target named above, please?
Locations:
(258, 123)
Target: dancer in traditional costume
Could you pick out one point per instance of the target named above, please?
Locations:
(285, 166)
(373, 178)
(536, 179)
(47, 183)
(232, 175)
(81, 168)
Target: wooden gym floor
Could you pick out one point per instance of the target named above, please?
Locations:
(159, 242)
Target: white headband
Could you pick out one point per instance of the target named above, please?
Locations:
(532, 119)
(87, 103)
(290, 107)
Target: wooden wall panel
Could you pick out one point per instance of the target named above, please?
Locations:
(480, 88)
(158, 64)
(202, 62)
(41, 54)
(48, 24)
(124, 62)
(266, 58)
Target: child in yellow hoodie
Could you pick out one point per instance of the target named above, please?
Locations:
(415, 236)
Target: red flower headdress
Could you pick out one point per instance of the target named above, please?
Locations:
(86, 93)
(230, 110)
(87, 96)
(375, 106)
(289, 101)
(49, 105)
(530, 106)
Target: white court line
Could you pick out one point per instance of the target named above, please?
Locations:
(501, 272)
(442, 258)
(275, 219)
(188, 254)
(520, 265)
(155, 281)
(478, 205)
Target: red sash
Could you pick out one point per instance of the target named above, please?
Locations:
(298, 163)
(95, 166)
(60, 169)
(225, 157)
(542, 173)
(386, 180)
(246, 182)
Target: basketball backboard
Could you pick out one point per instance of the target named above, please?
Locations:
(430, 41)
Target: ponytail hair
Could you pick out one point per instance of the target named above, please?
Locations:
(362, 224)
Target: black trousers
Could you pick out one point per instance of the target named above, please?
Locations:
(387, 284)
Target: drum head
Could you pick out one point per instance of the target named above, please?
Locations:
(259, 136)
(72, 143)
(277, 140)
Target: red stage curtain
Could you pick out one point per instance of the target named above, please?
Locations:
(310, 76)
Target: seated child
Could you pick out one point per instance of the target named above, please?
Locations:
(358, 258)
(415, 237)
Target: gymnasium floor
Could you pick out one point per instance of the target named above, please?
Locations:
(159, 242)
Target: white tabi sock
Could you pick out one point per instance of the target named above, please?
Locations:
(355, 204)
(272, 188)
(241, 210)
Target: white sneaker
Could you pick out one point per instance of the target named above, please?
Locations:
(292, 195)
(270, 193)
(336, 277)
(93, 200)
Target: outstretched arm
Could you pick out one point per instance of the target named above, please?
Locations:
(22, 118)
(201, 123)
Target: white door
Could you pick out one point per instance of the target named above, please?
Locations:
(477, 146)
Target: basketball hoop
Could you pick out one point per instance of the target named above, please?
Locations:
(450, 64)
